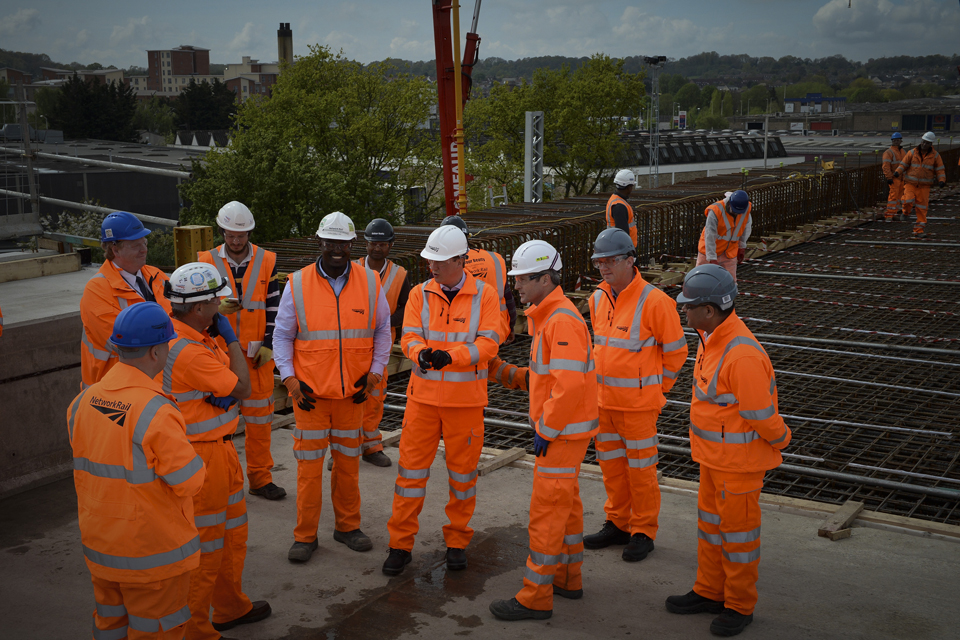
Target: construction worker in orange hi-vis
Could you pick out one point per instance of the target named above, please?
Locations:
(450, 332)
(736, 435)
(563, 410)
(331, 345)
(619, 213)
(728, 226)
(208, 384)
(639, 350)
(252, 274)
(921, 168)
(123, 279)
(135, 475)
(891, 161)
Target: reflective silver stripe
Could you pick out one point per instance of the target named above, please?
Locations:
(253, 277)
(143, 563)
(413, 474)
(185, 472)
(674, 346)
(463, 495)
(124, 303)
(646, 443)
(706, 516)
(414, 330)
(493, 335)
(258, 419)
(346, 334)
(462, 477)
(186, 396)
(99, 354)
(475, 311)
(310, 434)
(744, 557)
(111, 610)
(541, 558)
(368, 445)
(146, 417)
(309, 455)
(623, 383)
(73, 411)
(175, 619)
(221, 266)
(405, 492)
(239, 521)
(726, 398)
(571, 559)
(345, 433)
(573, 538)
(109, 634)
(759, 414)
(372, 282)
(608, 437)
(210, 520)
(296, 282)
(503, 365)
(643, 463)
(211, 546)
(710, 436)
(352, 452)
(712, 538)
(536, 578)
(740, 438)
(372, 434)
(570, 429)
(204, 426)
(474, 353)
(711, 395)
(557, 470)
(146, 625)
(737, 537)
(498, 271)
(612, 455)
(563, 364)
(114, 471)
(171, 359)
(649, 381)
(375, 393)
(263, 402)
(781, 438)
(633, 343)
(451, 376)
(235, 497)
(672, 375)
(392, 271)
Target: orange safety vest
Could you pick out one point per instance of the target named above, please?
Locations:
(729, 229)
(250, 324)
(465, 328)
(334, 343)
(391, 280)
(104, 297)
(563, 386)
(135, 475)
(734, 420)
(639, 345)
(891, 160)
(490, 267)
(922, 169)
(205, 422)
(631, 219)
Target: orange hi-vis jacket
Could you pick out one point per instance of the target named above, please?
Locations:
(136, 475)
(465, 328)
(250, 325)
(891, 160)
(196, 368)
(734, 420)
(392, 282)
(104, 297)
(334, 344)
(631, 217)
(490, 267)
(639, 345)
(730, 229)
(563, 386)
(917, 168)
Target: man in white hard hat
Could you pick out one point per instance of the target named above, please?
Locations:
(450, 333)
(619, 212)
(921, 168)
(252, 311)
(331, 344)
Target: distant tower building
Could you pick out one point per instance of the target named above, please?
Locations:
(285, 43)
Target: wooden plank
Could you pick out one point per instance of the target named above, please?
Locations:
(500, 460)
(840, 520)
(39, 266)
(837, 535)
(391, 438)
(279, 422)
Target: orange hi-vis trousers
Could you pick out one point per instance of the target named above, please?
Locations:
(257, 412)
(556, 525)
(155, 610)
(372, 415)
(627, 452)
(728, 532)
(220, 513)
(917, 196)
(894, 198)
(462, 431)
(730, 264)
(334, 425)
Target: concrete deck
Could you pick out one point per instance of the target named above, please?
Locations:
(43, 299)
(876, 584)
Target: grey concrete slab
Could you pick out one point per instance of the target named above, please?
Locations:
(43, 298)
(876, 584)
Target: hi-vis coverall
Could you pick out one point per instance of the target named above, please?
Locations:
(639, 349)
(196, 368)
(563, 409)
(920, 171)
(724, 235)
(104, 297)
(736, 434)
(891, 160)
(135, 474)
(448, 402)
(631, 217)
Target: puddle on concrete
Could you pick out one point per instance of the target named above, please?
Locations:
(390, 611)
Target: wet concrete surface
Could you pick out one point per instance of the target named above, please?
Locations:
(876, 584)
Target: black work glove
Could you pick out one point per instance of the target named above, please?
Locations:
(306, 403)
(941, 184)
(896, 174)
(425, 359)
(890, 181)
(360, 397)
(440, 359)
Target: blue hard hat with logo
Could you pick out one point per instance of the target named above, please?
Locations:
(896, 136)
(144, 324)
(739, 201)
(121, 225)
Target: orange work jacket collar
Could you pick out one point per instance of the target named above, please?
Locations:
(112, 274)
(469, 286)
(186, 331)
(540, 312)
(728, 330)
(638, 283)
(124, 376)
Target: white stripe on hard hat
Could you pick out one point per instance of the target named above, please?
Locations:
(445, 242)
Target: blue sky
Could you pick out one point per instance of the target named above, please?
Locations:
(118, 33)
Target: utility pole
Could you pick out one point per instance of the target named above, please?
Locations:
(656, 64)
(21, 98)
(533, 157)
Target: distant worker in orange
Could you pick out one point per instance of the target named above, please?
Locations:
(563, 410)
(619, 212)
(251, 272)
(639, 350)
(920, 169)
(450, 332)
(736, 435)
(891, 161)
(332, 344)
(123, 279)
(724, 237)
(135, 475)
(208, 384)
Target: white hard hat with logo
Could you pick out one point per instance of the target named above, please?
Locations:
(235, 216)
(535, 256)
(195, 282)
(624, 178)
(929, 136)
(445, 242)
(337, 226)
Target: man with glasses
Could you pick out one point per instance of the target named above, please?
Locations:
(639, 348)
(331, 345)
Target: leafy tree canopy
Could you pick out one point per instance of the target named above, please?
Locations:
(92, 110)
(203, 105)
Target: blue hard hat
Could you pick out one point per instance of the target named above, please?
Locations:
(739, 201)
(896, 136)
(142, 325)
(121, 225)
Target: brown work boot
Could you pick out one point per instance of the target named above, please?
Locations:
(377, 458)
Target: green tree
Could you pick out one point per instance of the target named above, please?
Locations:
(156, 115)
(862, 90)
(205, 105)
(688, 96)
(93, 110)
(708, 121)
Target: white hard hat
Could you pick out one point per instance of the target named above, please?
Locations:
(195, 282)
(624, 178)
(535, 256)
(337, 226)
(445, 242)
(234, 216)
(929, 136)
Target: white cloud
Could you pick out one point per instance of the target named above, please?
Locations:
(909, 22)
(135, 30)
(245, 39)
(82, 38)
(20, 22)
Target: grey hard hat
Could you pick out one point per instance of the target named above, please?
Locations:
(708, 283)
(612, 242)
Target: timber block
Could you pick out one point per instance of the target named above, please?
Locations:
(39, 266)
(391, 438)
(837, 526)
(500, 460)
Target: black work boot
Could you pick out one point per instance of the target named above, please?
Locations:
(512, 610)
(456, 559)
(608, 535)
(730, 623)
(269, 491)
(637, 549)
(378, 458)
(693, 602)
(356, 539)
(396, 561)
(301, 551)
(569, 594)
